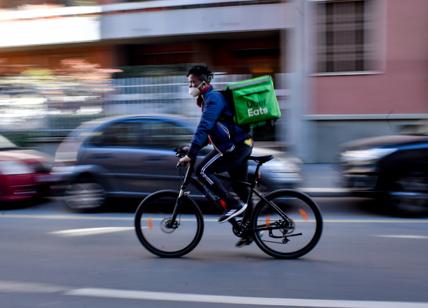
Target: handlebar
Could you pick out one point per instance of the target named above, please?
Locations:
(180, 152)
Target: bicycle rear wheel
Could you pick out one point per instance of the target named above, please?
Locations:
(159, 234)
(289, 226)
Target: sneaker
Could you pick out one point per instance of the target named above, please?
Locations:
(228, 214)
(245, 241)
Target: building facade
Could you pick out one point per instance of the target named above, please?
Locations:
(343, 69)
(370, 73)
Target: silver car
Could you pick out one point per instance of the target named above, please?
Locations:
(133, 156)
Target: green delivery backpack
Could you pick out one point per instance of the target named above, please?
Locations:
(254, 101)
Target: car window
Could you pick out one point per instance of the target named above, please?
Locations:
(142, 133)
(164, 135)
(119, 134)
(5, 144)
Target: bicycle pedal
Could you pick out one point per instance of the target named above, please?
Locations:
(244, 242)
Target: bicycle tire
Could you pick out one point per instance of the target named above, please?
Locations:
(293, 203)
(157, 202)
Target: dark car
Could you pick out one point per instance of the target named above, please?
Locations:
(132, 156)
(24, 173)
(393, 169)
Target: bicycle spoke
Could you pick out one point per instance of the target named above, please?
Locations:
(290, 220)
(166, 229)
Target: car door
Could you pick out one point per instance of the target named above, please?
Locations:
(113, 151)
(157, 161)
(138, 155)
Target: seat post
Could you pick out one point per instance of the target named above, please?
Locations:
(253, 184)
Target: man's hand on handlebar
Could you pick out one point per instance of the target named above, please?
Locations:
(184, 161)
(181, 153)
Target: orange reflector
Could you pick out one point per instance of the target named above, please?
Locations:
(303, 213)
(267, 220)
(149, 223)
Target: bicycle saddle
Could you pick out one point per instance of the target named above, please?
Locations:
(261, 159)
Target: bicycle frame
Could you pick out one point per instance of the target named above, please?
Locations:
(264, 222)
(189, 179)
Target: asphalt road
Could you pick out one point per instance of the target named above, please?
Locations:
(54, 258)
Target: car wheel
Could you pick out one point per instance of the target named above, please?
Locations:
(408, 194)
(84, 195)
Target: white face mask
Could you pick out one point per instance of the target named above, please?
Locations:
(193, 91)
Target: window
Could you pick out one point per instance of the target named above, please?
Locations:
(342, 36)
(142, 133)
(121, 134)
(164, 135)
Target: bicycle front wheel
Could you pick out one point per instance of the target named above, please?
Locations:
(288, 226)
(162, 235)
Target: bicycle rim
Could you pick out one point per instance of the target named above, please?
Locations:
(289, 229)
(158, 234)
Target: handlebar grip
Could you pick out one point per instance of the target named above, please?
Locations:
(181, 151)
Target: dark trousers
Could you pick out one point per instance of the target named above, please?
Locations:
(235, 163)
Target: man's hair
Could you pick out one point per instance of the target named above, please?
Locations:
(201, 72)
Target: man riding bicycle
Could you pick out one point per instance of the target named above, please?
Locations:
(284, 223)
(232, 144)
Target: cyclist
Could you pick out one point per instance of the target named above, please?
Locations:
(232, 144)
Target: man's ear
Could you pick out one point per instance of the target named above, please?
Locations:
(206, 84)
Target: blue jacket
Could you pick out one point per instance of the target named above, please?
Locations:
(217, 123)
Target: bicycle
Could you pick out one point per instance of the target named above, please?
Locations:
(284, 223)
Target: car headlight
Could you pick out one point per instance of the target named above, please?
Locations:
(14, 167)
(366, 155)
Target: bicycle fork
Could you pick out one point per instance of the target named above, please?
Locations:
(172, 222)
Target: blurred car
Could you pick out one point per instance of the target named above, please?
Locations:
(393, 169)
(24, 174)
(132, 156)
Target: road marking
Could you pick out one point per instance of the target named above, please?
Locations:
(381, 221)
(31, 287)
(324, 190)
(131, 218)
(240, 300)
(405, 236)
(90, 231)
(66, 217)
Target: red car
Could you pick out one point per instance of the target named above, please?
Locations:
(24, 174)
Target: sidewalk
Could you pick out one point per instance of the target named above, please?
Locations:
(322, 180)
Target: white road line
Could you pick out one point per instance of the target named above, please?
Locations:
(31, 287)
(28, 287)
(324, 190)
(131, 218)
(381, 221)
(65, 217)
(240, 300)
(404, 236)
(90, 231)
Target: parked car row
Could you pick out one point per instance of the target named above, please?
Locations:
(132, 156)
(391, 169)
(24, 174)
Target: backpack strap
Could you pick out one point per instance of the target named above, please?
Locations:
(227, 94)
